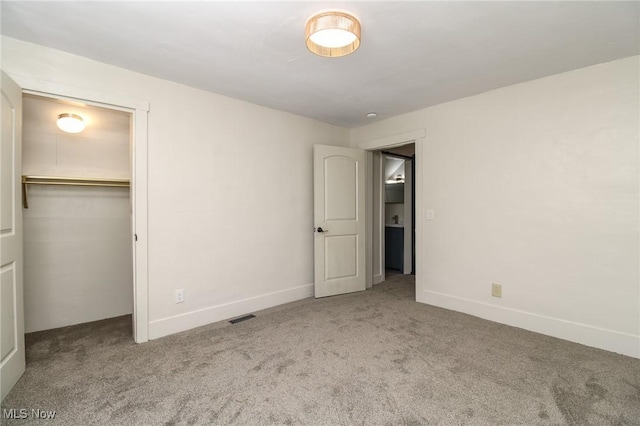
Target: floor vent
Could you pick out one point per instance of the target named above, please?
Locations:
(244, 318)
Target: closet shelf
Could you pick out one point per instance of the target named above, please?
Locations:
(69, 181)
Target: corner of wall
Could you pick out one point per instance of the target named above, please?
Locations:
(609, 340)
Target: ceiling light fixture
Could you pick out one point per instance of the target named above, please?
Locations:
(371, 115)
(70, 123)
(332, 34)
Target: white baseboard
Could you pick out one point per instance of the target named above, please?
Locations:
(74, 318)
(377, 279)
(170, 325)
(610, 340)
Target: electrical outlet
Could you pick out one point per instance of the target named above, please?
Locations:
(496, 290)
(179, 296)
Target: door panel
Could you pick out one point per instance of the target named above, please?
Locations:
(341, 256)
(12, 357)
(339, 251)
(340, 188)
(8, 311)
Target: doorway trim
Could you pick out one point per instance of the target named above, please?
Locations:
(139, 179)
(417, 137)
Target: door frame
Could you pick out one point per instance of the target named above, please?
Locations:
(139, 179)
(417, 137)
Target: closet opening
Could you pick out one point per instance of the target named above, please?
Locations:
(77, 214)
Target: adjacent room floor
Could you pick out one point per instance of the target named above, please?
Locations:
(376, 357)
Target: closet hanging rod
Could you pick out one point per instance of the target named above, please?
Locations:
(68, 181)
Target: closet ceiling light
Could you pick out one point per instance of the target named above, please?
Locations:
(70, 123)
(332, 34)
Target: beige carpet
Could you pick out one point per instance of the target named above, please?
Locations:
(375, 357)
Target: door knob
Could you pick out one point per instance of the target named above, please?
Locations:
(321, 230)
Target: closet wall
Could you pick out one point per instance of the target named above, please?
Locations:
(78, 258)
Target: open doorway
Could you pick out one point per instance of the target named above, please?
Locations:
(76, 214)
(391, 207)
(399, 211)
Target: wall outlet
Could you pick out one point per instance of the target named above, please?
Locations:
(179, 296)
(496, 290)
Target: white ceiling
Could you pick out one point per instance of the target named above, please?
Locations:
(413, 54)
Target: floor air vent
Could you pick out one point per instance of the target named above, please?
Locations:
(244, 318)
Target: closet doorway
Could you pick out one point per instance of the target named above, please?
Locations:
(77, 214)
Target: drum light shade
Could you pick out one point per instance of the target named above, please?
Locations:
(332, 34)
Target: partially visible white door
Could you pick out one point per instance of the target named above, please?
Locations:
(12, 359)
(339, 220)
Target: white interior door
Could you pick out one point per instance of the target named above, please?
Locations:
(339, 220)
(12, 358)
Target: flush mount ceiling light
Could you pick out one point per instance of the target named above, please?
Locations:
(70, 123)
(332, 34)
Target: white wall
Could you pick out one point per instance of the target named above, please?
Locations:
(77, 240)
(77, 256)
(535, 187)
(230, 190)
(100, 150)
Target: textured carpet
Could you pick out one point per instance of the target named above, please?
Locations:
(375, 357)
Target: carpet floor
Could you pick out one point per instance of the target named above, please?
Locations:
(376, 357)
